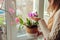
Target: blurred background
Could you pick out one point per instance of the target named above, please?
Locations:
(9, 9)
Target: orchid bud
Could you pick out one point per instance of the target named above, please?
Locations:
(17, 20)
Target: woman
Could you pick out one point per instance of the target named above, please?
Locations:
(51, 31)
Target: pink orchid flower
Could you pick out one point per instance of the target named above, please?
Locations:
(17, 20)
(31, 14)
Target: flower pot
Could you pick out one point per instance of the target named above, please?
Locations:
(33, 31)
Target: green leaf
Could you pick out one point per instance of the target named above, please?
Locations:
(28, 22)
(36, 23)
(1, 20)
(20, 27)
(21, 21)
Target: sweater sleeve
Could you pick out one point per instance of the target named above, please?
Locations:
(44, 28)
(51, 35)
(55, 28)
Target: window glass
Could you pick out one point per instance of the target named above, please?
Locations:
(23, 8)
(3, 28)
(46, 15)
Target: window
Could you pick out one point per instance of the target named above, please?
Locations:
(23, 8)
(46, 15)
(2, 13)
(2, 20)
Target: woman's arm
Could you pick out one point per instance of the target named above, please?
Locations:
(44, 28)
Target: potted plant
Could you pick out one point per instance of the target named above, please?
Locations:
(31, 24)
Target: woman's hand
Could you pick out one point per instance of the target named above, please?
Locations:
(35, 18)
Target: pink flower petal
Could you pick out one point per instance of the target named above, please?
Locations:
(32, 14)
(11, 10)
(17, 20)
